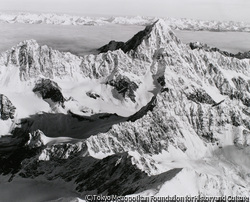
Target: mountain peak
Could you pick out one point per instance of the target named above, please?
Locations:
(28, 43)
(158, 29)
(160, 22)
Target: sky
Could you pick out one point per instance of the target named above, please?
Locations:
(235, 10)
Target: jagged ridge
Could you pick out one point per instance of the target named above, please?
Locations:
(131, 44)
(198, 45)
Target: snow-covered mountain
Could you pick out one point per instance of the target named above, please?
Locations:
(177, 24)
(151, 116)
(198, 45)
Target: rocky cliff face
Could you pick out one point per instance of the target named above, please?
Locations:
(34, 61)
(7, 109)
(48, 89)
(195, 125)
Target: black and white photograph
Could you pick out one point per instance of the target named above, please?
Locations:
(124, 100)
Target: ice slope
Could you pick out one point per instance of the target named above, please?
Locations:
(194, 133)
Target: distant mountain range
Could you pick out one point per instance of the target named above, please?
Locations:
(176, 24)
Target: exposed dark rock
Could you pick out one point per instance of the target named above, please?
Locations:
(131, 44)
(124, 86)
(113, 175)
(111, 46)
(239, 95)
(35, 140)
(209, 136)
(160, 54)
(161, 81)
(242, 141)
(200, 96)
(241, 84)
(24, 60)
(7, 109)
(93, 95)
(198, 45)
(245, 55)
(144, 110)
(246, 122)
(14, 150)
(18, 149)
(246, 111)
(236, 119)
(49, 90)
(216, 104)
(164, 90)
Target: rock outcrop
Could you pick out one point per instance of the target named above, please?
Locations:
(198, 45)
(7, 109)
(48, 89)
